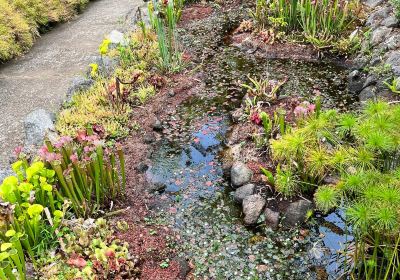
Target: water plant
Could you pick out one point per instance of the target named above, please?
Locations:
(321, 22)
(361, 151)
(164, 16)
(264, 89)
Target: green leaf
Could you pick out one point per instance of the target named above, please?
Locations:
(5, 246)
(25, 187)
(7, 189)
(58, 214)
(268, 174)
(10, 233)
(47, 187)
(34, 210)
(34, 169)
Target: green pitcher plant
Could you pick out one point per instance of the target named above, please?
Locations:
(89, 174)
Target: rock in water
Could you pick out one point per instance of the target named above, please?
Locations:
(252, 208)
(240, 174)
(271, 218)
(296, 213)
(243, 192)
(37, 123)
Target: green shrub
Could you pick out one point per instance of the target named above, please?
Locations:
(362, 150)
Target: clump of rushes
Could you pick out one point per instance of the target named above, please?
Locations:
(323, 23)
(164, 16)
(361, 151)
(89, 174)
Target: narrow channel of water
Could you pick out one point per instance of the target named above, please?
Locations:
(209, 222)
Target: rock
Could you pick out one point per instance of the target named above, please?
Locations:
(379, 35)
(373, 3)
(117, 38)
(271, 218)
(371, 80)
(244, 191)
(376, 17)
(149, 139)
(394, 60)
(184, 267)
(106, 65)
(331, 180)
(236, 115)
(393, 43)
(4, 174)
(157, 187)
(157, 126)
(391, 21)
(240, 174)
(142, 167)
(36, 124)
(355, 81)
(367, 94)
(295, 214)
(79, 83)
(171, 93)
(252, 208)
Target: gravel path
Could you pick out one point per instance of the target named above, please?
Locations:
(41, 78)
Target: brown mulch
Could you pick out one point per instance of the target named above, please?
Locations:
(195, 12)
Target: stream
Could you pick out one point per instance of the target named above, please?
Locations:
(188, 163)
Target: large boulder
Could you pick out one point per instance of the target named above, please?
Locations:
(243, 192)
(240, 174)
(37, 124)
(252, 208)
(295, 214)
(271, 218)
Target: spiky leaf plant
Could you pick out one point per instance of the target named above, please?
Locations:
(326, 198)
(286, 182)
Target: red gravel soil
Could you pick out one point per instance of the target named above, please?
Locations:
(195, 12)
(150, 242)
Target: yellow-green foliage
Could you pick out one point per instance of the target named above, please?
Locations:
(20, 20)
(94, 106)
(15, 34)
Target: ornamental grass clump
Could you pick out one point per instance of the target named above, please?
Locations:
(164, 16)
(362, 152)
(322, 22)
(89, 174)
